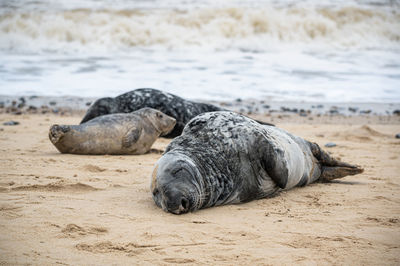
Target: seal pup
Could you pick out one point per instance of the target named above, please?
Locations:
(226, 158)
(180, 109)
(132, 133)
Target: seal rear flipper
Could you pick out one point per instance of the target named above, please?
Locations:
(332, 168)
(56, 132)
(131, 137)
(330, 173)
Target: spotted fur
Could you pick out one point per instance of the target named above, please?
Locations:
(224, 158)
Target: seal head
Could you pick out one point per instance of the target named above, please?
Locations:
(175, 184)
(161, 122)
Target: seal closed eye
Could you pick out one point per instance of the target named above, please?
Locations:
(206, 166)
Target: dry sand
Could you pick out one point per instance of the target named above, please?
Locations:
(81, 210)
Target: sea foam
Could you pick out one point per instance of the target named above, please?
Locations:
(257, 29)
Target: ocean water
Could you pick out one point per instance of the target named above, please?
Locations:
(312, 51)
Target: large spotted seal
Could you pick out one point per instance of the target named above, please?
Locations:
(225, 158)
(132, 133)
(180, 109)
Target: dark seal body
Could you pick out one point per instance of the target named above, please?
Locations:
(132, 133)
(180, 109)
(225, 158)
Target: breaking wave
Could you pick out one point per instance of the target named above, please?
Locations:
(216, 29)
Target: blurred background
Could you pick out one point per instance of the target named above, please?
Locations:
(316, 51)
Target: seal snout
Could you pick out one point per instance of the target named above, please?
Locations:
(175, 202)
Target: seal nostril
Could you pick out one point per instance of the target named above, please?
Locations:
(155, 192)
(185, 203)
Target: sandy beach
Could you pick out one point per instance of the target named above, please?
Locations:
(92, 210)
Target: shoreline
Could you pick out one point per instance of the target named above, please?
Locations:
(78, 105)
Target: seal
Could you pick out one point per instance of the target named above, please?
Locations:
(180, 109)
(132, 133)
(226, 158)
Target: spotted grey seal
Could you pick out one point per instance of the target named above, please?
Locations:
(226, 158)
(180, 109)
(132, 133)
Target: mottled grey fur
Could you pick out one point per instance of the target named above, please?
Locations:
(180, 109)
(132, 133)
(225, 158)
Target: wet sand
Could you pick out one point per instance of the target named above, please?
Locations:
(90, 210)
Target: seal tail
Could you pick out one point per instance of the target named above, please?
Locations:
(56, 132)
(332, 168)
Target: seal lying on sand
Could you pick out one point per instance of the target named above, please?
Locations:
(180, 109)
(132, 133)
(225, 158)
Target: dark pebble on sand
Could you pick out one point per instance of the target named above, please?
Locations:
(365, 111)
(11, 123)
(330, 145)
(52, 103)
(286, 109)
(333, 112)
(397, 136)
(396, 112)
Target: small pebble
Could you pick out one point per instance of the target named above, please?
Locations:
(11, 123)
(398, 136)
(330, 145)
(353, 109)
(365, 111)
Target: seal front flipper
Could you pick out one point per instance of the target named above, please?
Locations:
(275, 165)
(131, 137)
(332, 168)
